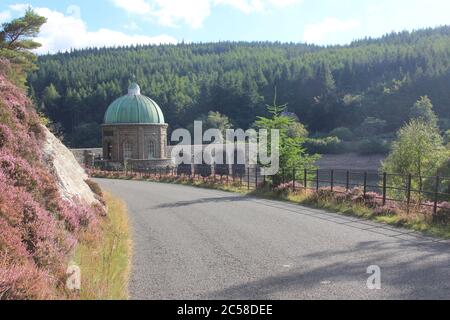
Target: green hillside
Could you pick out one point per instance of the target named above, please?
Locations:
(327, 87)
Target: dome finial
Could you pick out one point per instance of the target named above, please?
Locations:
(134, 89)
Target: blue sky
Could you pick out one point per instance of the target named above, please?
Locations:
(83, 23)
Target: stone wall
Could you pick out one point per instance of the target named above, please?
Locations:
(81, 154)
(142, 165)
(139, 137)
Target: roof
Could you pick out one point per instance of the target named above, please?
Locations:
(134, 108)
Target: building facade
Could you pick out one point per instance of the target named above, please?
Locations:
(134, 131)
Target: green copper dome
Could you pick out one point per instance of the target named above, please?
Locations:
(134, 108)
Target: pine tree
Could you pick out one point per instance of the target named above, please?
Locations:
(423, 111)
(16, 43)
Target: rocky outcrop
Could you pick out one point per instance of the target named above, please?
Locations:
(70, 175)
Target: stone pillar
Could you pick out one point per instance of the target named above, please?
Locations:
(118, 145)
(141, 143)
(162, 141)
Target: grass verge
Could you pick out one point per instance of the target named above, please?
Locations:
(104, 259)
(413, 220)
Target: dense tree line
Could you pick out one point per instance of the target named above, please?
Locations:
(367, 87)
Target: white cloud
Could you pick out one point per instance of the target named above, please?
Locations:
(246, 6)
(171, 12)
(320, 33)
(5, 16)
(284, 3)
(133, 6)
(250, 6)
(132, 26)
(74, 11)
(19, 7)
(193, 13)
(62, 33)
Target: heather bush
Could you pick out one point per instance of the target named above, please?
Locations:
(39, 229)
(390, 209)
(24, 281)
(6, 136)
(443, 213)
(285, 188)
(341, 195)
(372, 200)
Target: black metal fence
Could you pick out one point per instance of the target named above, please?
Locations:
(432, 192)
(410, 190)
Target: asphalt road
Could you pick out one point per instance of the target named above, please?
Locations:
(204, 244)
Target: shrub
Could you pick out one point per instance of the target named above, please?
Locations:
(343, 133)
(6, 135)
(447, 137)
(341, 195)
(371, 127)
(443, 213)
(285, 188)
(373, 146)
(390, 209)
(330, 145)
(24, 281)
(419, 151)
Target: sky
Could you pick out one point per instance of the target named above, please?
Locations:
(97, 23)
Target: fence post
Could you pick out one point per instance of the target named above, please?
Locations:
(420, 189)
(332, 180)
(248, 178)
(436, 196)
(408, 192)
(293, 180)
(347, 181)
(256, 178)
(384, 188)
(305, 179)
(317, 180)
(365, 183)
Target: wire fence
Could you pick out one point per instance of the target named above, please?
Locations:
(411, 190)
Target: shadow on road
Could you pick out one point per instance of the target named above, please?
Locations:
(404, 276)
(201, 201)
(406, 235)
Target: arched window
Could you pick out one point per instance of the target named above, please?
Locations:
(109, 151)
(151, 150)
(127, 151)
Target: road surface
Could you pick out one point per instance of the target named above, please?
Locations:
(193, 243)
